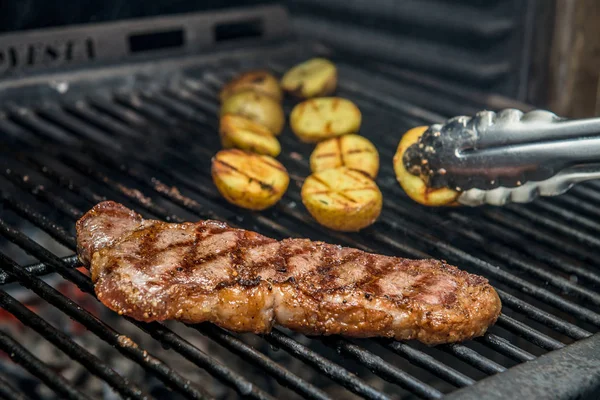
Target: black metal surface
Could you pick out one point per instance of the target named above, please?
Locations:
(61, 158)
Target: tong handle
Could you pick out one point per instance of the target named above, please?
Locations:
(512, 127)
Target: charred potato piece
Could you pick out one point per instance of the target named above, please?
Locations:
(241, 133)
(258, 107)
(258, 81)
(323, 118)
(415, 186)
(249, 180)
(352, 151)
(342, 199)
(313, 78)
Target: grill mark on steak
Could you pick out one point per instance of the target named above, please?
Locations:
(246, 282)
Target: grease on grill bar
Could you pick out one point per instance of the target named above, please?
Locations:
(548, 291)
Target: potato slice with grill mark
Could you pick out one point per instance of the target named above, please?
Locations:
(414, 186)
(323, 118)
(313, 78)
(352, 151)
(342, 199)
(258, 107)
(249, 180)
(258, 81)
(241, 133)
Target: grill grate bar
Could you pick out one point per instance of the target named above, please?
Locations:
(35, 366)
(327, 367)
(384, 369)
(106, 123)
(52, 199)
(511, 257)
(133, 195)
(103, 331)
(505, 347)
(9, 392)
(583, 207)
(579, 236)
(24, 116)
(510, 222)
(508, 255)
(586, 193)
(566, 286)
(50, 113)
(426, 361)
(515, 240)
(40, 269)
(69, 347)
(568, 215)
(544, 317)
(541, 340)
(474, 358)
(24, 210)
(245, 351)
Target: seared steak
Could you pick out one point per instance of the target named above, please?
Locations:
(246, 282)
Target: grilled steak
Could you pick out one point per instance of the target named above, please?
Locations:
(246, 282)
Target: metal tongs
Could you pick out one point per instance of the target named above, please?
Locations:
(509, 156)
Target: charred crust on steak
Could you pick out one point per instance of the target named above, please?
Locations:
(246, 282)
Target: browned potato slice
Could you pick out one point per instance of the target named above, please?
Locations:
(319, 119)
(352, 151)
(241, 133)
(313, 78)
(249, 180)
(258, 107)
(258, 81)
(342, 199)
(414, 185)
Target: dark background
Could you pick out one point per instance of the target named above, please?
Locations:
(31, 14)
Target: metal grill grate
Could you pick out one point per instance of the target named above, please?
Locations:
(136, 145)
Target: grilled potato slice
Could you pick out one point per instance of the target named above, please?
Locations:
(342, 199)
(352, 151)
(258, 81)
(258, 107)
(241, 133)
(415, 186)
(313, 78)
(319, 119)
(249, 180)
